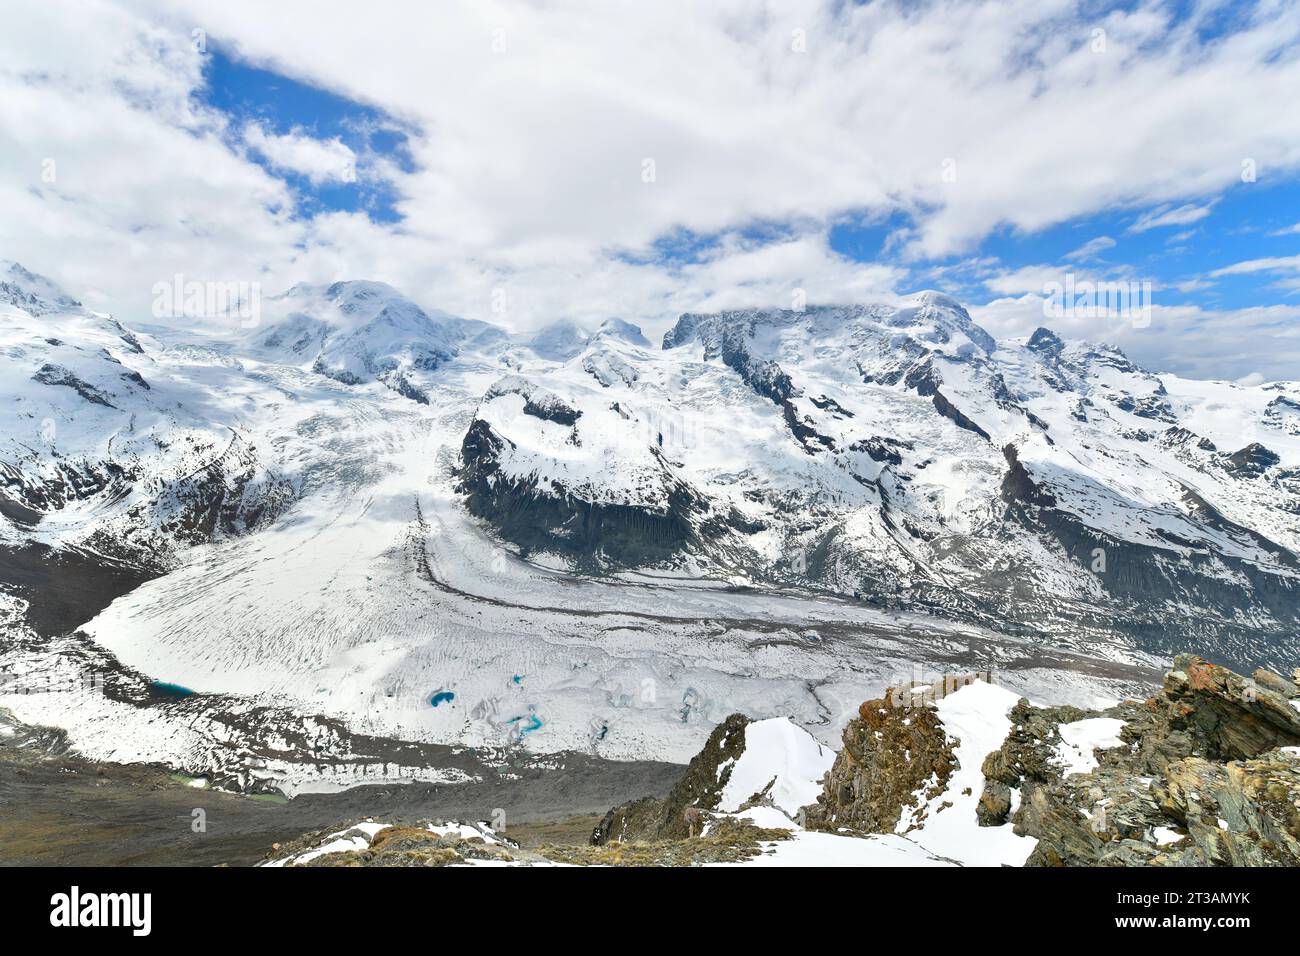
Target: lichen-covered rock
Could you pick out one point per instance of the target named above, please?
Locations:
(1242, 813)
(1213, 756)
(1232, 717)
(1204, 773)
(720, 840)
(1276, 683)
(994, 805)
(1030, 748)
(377, 844)
(416, 846)
(896, 756)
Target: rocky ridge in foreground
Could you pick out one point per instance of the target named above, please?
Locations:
(959, 772)
(1207, 772)
(1210, 767)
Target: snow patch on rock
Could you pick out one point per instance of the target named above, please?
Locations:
(1081, 738)
(780, 755)
(975, 719)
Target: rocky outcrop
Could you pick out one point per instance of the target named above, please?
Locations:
(727, 338)
(537, 516)
(1230, 717)
(1228, 589)
(1208, 773)
(1205, 773)
(896, 757)
(925, 379)
(1029, 753)
(1251, 461)
(680, 814)
(1243, 813)
(538, 402)
(368, 844)
(49, 374)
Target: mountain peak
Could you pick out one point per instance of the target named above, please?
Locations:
(352, 294)
(33, 293)
(1045, 342)
(944, 316)
(619, 329)
(930, 317)
(559, 341)
(939, 299)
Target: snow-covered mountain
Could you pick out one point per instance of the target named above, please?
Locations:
(903, 457)
(110, 446)
(430, 528)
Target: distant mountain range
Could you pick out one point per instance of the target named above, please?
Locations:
(899, 456)
(429, 528)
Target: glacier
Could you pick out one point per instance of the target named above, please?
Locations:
(578, 542)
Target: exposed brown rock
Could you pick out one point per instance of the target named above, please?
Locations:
(409, 846)
(1201, 759)
(1028, 752)
(1276, 683)
(1201, 765)
(894, 750)
(1233, 717)
(724, 840)
(1242, 813)
(994, 805)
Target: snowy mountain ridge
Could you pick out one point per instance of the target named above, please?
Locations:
(903, 455)
(430, 530)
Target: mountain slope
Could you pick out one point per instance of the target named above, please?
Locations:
(903, 456)
(114, 444)
(414, 526)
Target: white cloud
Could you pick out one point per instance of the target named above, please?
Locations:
(1030, 279)
(528, 161)
(1036, 278)
(1092, 248)
(1170, 216)
(1186, 339)
(1286, 267)
(111, 178)
(1271, 264)
(320, 160)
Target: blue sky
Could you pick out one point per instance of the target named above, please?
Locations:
(246, 93)
(1244, 222)
(463, 151)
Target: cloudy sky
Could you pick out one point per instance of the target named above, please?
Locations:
(641, 159)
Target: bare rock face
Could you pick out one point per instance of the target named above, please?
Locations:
(1232, 716)
(1208, 773)
(681, 812)
(1276, 683)
(1029, 750)
(1028, 754)
(995, 804)
(894, 751)
(1205, 773)
(1243, 813)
